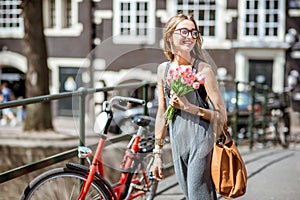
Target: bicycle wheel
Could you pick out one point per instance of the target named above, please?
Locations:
(63, 184)
(147, 165)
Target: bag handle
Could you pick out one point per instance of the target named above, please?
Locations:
(225, 136)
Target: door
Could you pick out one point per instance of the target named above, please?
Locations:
(261, 71)
(69, 80)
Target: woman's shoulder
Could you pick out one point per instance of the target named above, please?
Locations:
(163, 64)
(204, 67)
(162, 67)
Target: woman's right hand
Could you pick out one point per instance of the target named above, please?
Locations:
(157, 169)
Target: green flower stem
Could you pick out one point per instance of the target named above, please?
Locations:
(180, 89)
(169, 114)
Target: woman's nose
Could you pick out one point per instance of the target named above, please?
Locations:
(189, 35)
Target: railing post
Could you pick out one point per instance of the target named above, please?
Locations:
(236, 114)
(264, 113)
(145, 96)
(251, 116)
(82, 119)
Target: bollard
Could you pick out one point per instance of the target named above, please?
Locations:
(251, 116)
(264, 113)
(236, 114)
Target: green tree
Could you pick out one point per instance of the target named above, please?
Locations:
(38, 116)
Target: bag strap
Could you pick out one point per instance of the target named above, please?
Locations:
(166, 71)
(195, 65)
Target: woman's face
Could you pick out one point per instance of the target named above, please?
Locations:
(183, 36)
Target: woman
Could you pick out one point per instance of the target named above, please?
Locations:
(191, 132)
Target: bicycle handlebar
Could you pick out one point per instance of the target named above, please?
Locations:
(126, 99)
(119, 107)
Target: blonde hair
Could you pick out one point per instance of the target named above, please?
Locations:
(168, 31)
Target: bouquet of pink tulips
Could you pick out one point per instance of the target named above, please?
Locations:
(182, 80)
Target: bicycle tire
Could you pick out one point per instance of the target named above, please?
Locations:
(61, 184)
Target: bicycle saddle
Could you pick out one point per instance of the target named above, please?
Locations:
(142, 120)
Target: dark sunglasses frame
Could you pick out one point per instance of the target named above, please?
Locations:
(194, 36)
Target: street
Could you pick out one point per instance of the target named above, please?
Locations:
(273, 174)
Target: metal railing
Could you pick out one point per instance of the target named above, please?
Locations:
(81, 93)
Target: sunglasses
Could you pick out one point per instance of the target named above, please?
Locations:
(184, 32)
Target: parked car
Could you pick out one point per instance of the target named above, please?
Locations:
(244, 108)
(244, 102)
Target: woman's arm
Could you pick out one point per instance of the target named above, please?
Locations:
(214, 95)
(160, 122)
(213, 92)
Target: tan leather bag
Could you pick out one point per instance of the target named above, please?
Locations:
(227, 168)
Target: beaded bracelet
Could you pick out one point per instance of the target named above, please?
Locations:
(157, 151)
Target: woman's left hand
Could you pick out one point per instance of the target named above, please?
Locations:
(178, 102)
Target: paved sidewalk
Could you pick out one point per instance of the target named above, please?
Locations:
(66, 133)
(273, 174)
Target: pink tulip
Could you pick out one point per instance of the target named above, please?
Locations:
(196, 85)
(171, 72)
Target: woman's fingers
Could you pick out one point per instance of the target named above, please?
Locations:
(157, 169)
(158, 174)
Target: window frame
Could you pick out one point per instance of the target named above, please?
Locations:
(149, 38)
(75, 29)
(218, 41)
(59, 28)
(261, 12)
(14, 32)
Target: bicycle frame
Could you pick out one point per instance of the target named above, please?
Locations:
(130, 163)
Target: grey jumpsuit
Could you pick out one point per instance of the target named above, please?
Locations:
(192, 142)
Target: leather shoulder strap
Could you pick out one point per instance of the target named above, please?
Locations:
(166, 70)
(195, 65)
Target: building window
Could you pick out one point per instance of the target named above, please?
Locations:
(210, 16)
(262, 18)
(11, 22)
(294, 3)
(134, 21)
(61, 18)
(203, 11)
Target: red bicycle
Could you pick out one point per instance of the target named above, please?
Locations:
(81, 182)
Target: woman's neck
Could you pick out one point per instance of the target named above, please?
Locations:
(183, 60)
